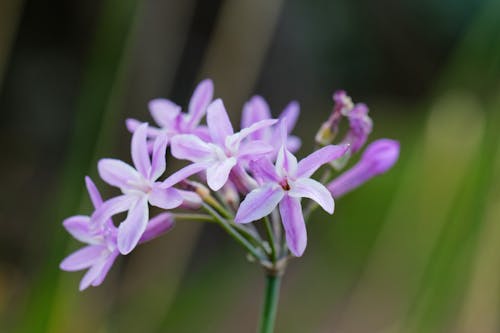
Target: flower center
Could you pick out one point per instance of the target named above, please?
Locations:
(284, 184)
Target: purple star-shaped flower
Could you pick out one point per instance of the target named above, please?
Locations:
(283, 185)
(224, 152)
(100, 253)
(172, 121)
(139, 187)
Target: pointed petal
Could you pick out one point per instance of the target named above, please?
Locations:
(218, 122)
(259, 203)
(158, 162)
(81, 259)
(112, 207)
(79, 227)
(133, 124)
(218, 173)
(291, 113)
(286, 162)
(235, 139)
(139, 150)
(131, 230)
(94, 194)
(255, 110)
(157, 226)
(117, 173)
(294, 225)
(263, 170)
(190, 147)
(293, 143)
(202, 96)
(190, 200)
(93, 272)
(253, 150)
(104, 269)
(166, 198)
(309, 188)
(183, 174)
(164, 112)
(314, 161)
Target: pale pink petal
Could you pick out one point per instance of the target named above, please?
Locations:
(82, 258)
(190, 147)
(253, 150)
(117, 173)
(218, 122)
(164, 112)
(259, 203)
(183, 174)
(234, 140)
(157, 226)
(190, 200)
(139, 150)
(294, 225)
(131, 230)
(158, 162)
(309, 188)
(166, 198)
(286, 162)
(218, 173)
(293, 143)
(94, 194)
(93, 272)
(112, 207)
(104, 269)
(314, 161)
(133, 124)
(202, 96)
(79, 227)
(263, 170)
(291, 113)
(202, 132)
(256, 109)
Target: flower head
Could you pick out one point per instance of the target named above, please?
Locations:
(283, 185)
(139, 187)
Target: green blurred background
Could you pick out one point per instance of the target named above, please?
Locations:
(416, 250)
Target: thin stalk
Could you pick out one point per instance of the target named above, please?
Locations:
(233, 233)
(270, 306)
(270, 237)
(193, 217)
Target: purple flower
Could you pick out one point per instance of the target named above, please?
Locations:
(100, 253)
(360, 126)
(139, 187)
(221, 155)
(377, 158)
(283, 185)
(172, 121)
(257, 109)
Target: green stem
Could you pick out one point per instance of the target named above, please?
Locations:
(270, 237)
(193, 217)
(270, 304)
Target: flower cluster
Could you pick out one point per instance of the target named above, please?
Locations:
(251, 175)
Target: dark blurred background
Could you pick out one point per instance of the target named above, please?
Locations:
(415, 250)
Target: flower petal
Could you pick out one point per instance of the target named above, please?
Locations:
(294, 225)
(218, 173)
(286, 162)
(309, 188)
(166, 198)
(255, 110)
(259, 203)
(202, 96)
(139, 150)
(263, 170)
(104, 268)
(314, 161)
(253, 150)
(94, 194)
(190, 147)
(79, 227)
(157, 226)
(164, 112)
(235, 139)
(112, 207)
(82, 258)
(133, 124)
(218, 122)
(291, 113)
(183, 174)
(131, 230)
(93, 272)
(117, 173)
(158, 162)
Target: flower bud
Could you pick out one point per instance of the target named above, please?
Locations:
(329, 128)
(378, 157)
